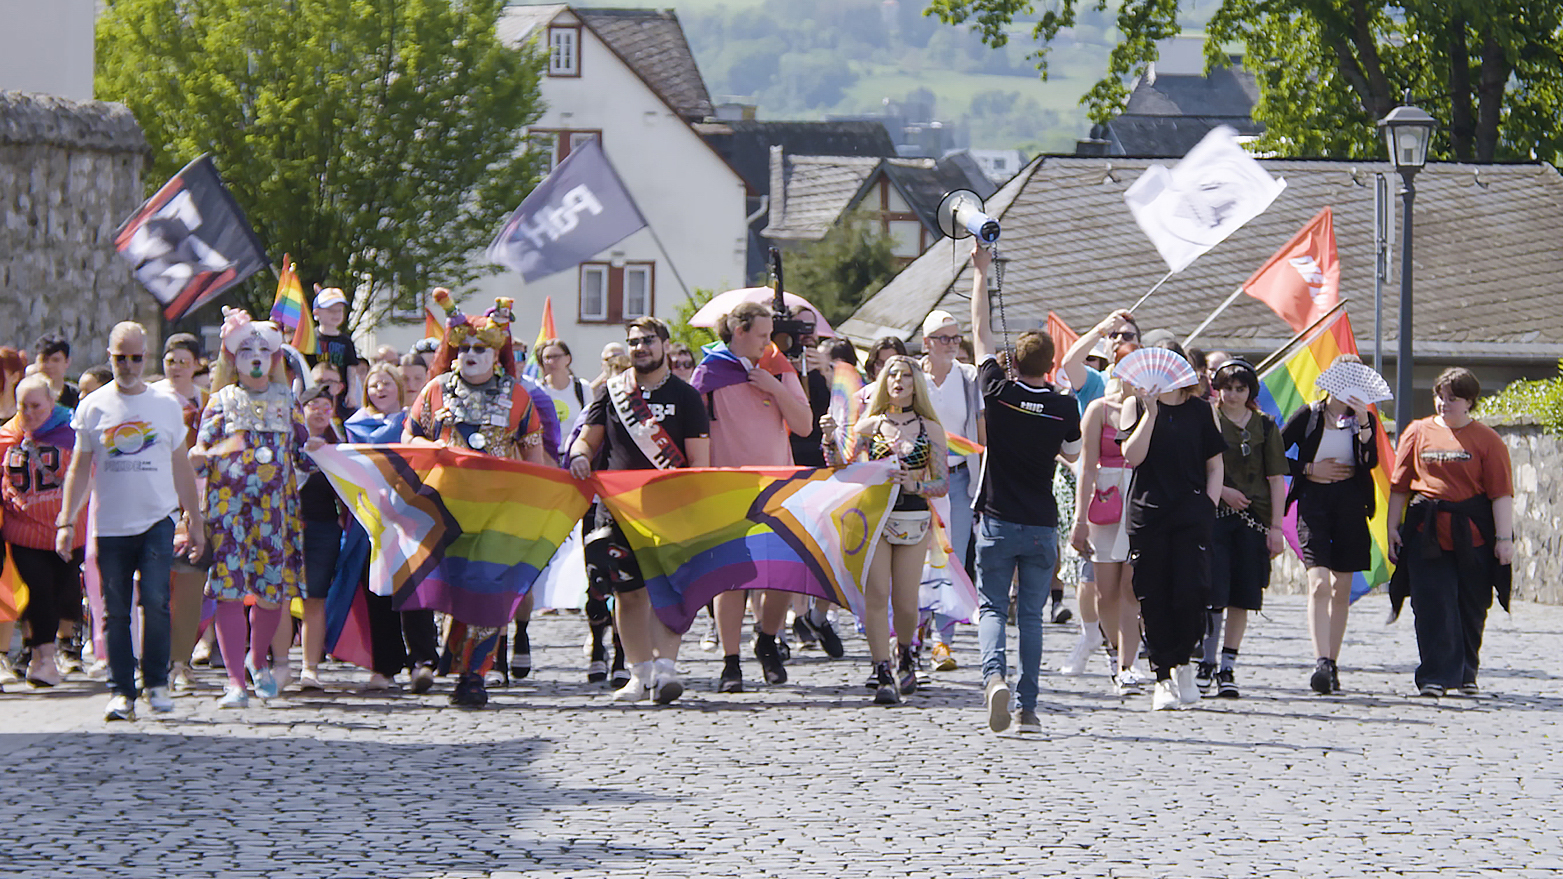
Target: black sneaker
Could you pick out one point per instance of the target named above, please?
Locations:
(521, 656)
(1322, 681)
(1334, 677)
(766, 651)
(732, 677)
(1469, 688)
(804, 632)
(1205, 677)
(829, 641)
(885, 689)
(1062, 614)
(908, 671)
(469, 692)
(1431, 691)
(872, 683)
(1226, 687)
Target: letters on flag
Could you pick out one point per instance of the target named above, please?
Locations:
(190, 241)
(578, 211)
(1301, 282)
(1207, 196)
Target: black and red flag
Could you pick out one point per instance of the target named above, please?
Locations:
(190, 241)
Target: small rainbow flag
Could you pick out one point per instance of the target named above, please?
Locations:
(433, 324)
(1288, 386)
(697, 533)
(960, 445)
(291, 309)
(545, 331)
(451, 530)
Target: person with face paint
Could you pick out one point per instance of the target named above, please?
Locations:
(251, 447)
(474, 401)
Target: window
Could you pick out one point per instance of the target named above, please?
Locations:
(616, 293)
(564, 51)
(558, 143)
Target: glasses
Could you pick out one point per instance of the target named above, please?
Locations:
(1243, 446)
(475, 349)
(683, 364)
(133, 358)
(946, 338)
(1124, 336)
(555, 356)
(640, 341)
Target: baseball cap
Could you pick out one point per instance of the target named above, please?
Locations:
(330, 296)
(938, 320)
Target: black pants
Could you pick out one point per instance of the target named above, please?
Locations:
(54, 590)
(1451, 615)
(401, 640)
(1171, 559)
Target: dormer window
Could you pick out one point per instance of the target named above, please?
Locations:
(564, 51)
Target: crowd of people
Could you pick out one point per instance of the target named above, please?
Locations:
(196, 498)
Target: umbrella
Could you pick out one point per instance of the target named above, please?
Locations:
(722, 303)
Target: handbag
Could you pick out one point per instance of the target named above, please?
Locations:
(1106, 506)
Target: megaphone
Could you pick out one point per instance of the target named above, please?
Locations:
(960, 214)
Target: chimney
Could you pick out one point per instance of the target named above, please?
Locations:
(778, 186)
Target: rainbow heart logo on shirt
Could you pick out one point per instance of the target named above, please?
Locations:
(128, 438)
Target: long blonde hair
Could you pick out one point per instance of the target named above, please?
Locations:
(922, 403)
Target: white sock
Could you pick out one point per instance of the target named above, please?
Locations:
(664, 668)
(642, 672)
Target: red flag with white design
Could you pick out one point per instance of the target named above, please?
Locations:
(1302, 280)
(1063, 339)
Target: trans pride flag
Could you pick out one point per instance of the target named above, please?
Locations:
(453, 530)
(1288, 386)
(697, 533)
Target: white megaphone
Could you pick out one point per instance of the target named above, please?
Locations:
(960, 214)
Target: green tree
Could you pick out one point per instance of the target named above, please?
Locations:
(681, 331)
(377, 141)
(839, 271)
(1490, 71)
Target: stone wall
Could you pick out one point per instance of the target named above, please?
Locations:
(70, 173)
(1537, 459)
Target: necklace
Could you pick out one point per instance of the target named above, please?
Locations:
(646, 389)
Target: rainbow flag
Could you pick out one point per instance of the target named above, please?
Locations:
(1288, 386)
(545, 331)
(433, 324)
(451, 530)
(960, 445)
(845, 406)
(697, 533)
(288, 309)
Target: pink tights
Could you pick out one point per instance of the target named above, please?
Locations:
(232, 630)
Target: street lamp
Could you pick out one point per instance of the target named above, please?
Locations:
(1407, 130)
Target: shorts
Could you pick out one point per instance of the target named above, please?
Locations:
(1239, 564)
(610, 562)
(907, 527)
(1332, 526)
(1110, 543)
(322, 548)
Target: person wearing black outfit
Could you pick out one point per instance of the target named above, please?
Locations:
(1176, 452)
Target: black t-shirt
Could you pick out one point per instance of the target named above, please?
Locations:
(678, 407)
(318, 500)
(1170, 482)
(806, 451)
(1026, 428)
(70, 395)
(338, 351)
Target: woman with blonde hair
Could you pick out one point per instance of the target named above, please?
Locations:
(899, 422)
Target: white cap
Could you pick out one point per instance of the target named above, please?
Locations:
(938, 320)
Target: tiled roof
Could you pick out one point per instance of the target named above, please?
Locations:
(1167, 114)
(817, 190)
(746, 143)
(518, 22)
(1168, 136)
(1487, 270)
(652, 42)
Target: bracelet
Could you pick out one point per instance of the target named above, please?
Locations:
(69, 525)
(1502, 539)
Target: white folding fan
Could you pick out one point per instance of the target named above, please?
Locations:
(1347, 380)
(1155, 370)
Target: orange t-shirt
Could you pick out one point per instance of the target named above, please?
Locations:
(1452, 465)
(747, 427)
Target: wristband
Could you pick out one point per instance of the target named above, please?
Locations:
(1502, 539)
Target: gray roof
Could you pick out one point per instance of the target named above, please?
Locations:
(37, 119)
(1487, 270)
(820, 188)
(746, 143)
(1167, 114)
(652, 43)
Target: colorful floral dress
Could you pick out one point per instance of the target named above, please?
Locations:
(255, 449)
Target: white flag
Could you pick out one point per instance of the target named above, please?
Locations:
(1215, 189)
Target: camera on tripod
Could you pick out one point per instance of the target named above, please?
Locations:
(788, 326)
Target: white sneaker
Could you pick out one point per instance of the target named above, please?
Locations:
(1085, 645)
(1165, 696)
(634, 690)
(996, 694)
(1129, 681)
(234, 697)
(1188, 691)
(183, 679)
(8, 673)
(664, 681)
(161, 702)
(308, 680)
(378, 681)
(119, 708)
(99, 670)
(708, 641)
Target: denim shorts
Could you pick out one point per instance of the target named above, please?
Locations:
(322, 547)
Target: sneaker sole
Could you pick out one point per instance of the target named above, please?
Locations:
(1320, 683)
(887, 696)
(669, 691)
(998, 710)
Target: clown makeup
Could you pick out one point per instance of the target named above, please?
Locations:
(253, 359)
(477, 361)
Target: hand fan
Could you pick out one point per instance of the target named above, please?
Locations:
(1346, 380)
(1155, 370)
(844, 404)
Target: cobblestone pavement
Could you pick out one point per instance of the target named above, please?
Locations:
(808, 779)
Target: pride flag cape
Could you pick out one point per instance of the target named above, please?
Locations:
(452, 530)
(1288, 386)
(545, 331)
(697, 533)
(720, 367)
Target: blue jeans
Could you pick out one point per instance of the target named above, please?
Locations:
(1001, 548)
(960, 537)
(119, 559)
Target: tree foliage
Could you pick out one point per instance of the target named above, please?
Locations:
(1491, 71)
(839, 271)
(377, 141)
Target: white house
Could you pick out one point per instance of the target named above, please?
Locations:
(628, 77)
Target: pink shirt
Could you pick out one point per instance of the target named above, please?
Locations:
(747, 428)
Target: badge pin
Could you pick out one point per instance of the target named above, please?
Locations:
(477, 441)
(263, 455)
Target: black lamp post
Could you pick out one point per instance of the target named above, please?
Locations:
(1407, 131)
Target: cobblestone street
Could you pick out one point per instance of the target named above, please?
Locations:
(809, 779)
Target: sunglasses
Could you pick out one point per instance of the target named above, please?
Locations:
(684, 364)
(475, 349)
(1243, 446)
(640, 341)
(133, 358)
(1125, 336)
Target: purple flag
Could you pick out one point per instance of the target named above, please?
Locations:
(578, 211)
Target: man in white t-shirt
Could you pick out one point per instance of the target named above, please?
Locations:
(952, 386)
(138, 470)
